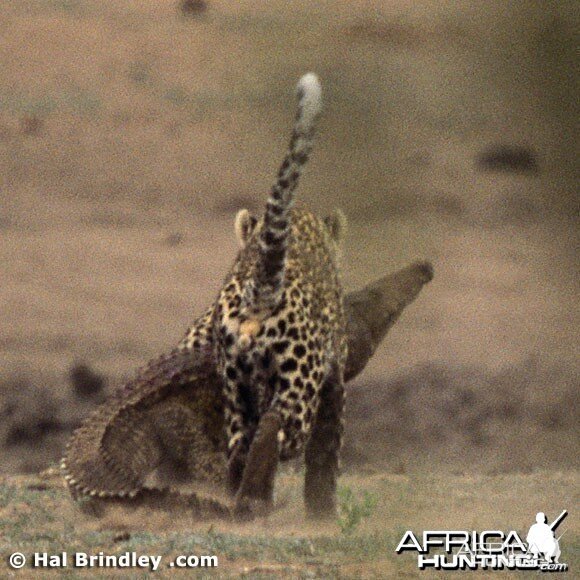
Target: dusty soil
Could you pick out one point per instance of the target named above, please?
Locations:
(131, 133)
(37, 515)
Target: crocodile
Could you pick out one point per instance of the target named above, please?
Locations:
(171, 414)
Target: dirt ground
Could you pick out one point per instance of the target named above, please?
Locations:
(37, 516)
(131, 133)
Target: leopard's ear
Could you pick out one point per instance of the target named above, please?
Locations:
(244, 225)
(336, 225)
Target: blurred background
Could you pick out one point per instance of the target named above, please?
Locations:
(131, 131)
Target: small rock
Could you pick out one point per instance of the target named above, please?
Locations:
(31, 124)
(121, 537)
(509, 158)
(174, 239)
(85, 382)
(193, 7)
(27, 414)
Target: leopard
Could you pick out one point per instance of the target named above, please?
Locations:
(171, 413)
(277, 335)
(280, 333)
(277, 331)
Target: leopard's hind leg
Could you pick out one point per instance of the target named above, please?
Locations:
(256, 492)
(323, 448)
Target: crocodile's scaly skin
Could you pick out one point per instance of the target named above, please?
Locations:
(173, 410)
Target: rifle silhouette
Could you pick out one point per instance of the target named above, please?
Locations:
(558, 520)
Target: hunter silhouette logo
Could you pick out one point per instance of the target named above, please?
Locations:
(490, 549)
(541, 538)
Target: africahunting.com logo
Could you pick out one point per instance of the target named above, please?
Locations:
(490, 549)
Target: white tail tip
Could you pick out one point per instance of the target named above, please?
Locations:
(310, 95)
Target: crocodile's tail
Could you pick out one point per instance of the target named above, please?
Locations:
(273, 240)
